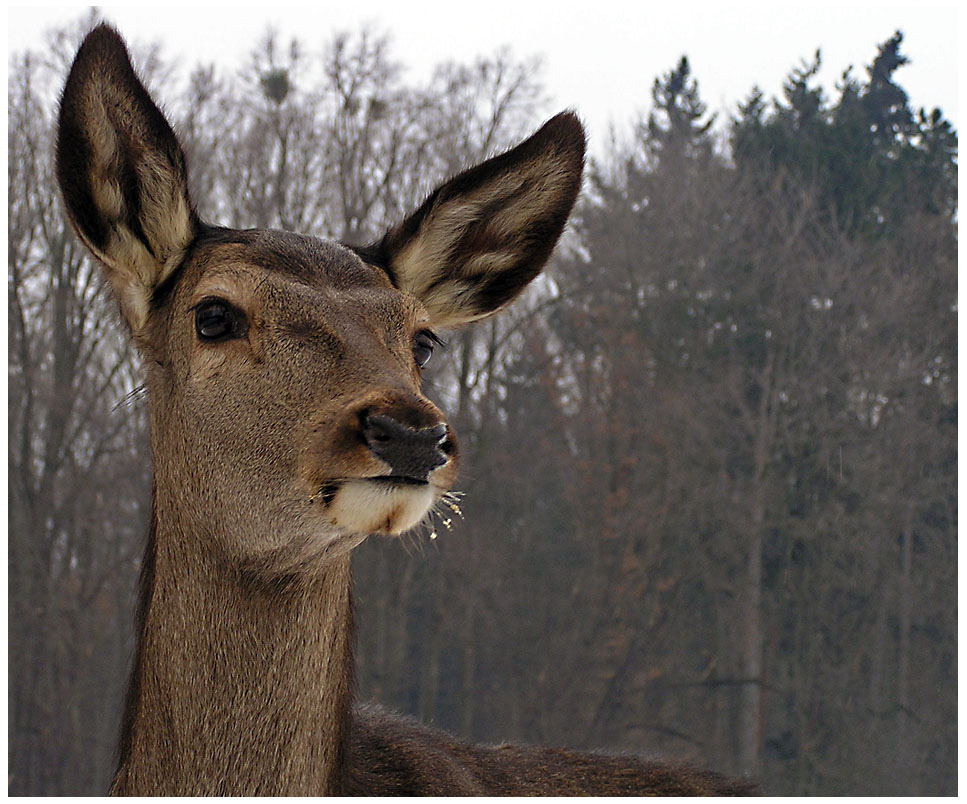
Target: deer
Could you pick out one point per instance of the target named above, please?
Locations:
(287, 424)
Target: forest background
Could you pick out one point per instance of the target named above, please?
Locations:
(711, 460)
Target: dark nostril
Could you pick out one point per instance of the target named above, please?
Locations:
(378, 429)
(442, 435)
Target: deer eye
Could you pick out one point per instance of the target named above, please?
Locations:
(216, 320)
(423, 345)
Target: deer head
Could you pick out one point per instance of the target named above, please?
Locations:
(283, 371)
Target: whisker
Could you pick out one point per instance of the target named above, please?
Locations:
(448, 500)
(136, 394)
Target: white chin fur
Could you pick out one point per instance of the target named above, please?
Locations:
(363, 506)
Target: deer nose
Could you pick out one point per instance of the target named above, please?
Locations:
(411, 453)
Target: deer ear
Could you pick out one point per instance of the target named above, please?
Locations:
(481, 237)
(122, 173)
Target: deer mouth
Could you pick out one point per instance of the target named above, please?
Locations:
(386, 504)
(399, 480)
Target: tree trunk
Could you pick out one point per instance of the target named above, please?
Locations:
(750, 663)
(905, 592)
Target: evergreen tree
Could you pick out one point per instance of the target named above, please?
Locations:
(675, 131)
(871, 158)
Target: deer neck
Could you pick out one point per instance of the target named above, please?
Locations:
(238, 687)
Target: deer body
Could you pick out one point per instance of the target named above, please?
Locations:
(287, 424)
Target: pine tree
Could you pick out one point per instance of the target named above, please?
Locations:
(872, 159)
(675, 130)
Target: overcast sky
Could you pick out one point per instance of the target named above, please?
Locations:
(600, 56)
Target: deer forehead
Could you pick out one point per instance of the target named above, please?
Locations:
(295, 283)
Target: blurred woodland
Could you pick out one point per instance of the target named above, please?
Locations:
(710, 460)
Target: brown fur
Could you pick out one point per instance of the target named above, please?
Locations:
(390, 755)
(284, 439)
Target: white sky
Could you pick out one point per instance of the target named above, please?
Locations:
(600, 56)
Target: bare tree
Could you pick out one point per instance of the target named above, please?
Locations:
(77, 482)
